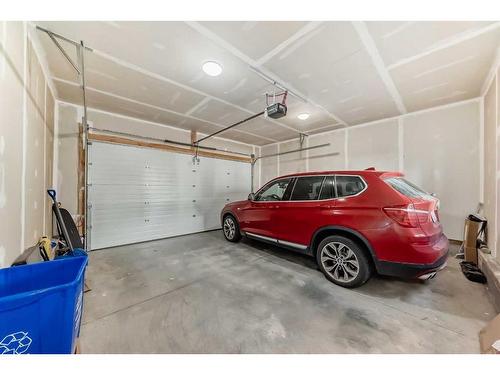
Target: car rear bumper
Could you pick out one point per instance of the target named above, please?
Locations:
(416, 270)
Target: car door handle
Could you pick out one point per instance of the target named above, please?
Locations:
(326, 207)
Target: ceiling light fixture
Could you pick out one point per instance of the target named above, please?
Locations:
(303, 116)
(212, 68)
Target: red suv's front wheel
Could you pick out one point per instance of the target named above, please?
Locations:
(343, 261)
(231, 229)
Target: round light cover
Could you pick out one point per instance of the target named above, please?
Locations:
(212, 68)
(303, 116)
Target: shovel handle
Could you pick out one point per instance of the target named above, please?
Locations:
(52, 194)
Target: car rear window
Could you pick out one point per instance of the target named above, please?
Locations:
(348, 185)
(307, 188)
(406, 188)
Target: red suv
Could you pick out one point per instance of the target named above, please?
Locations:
(352, 222)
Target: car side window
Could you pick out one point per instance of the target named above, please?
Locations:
(348, 185)
(274, 191)
(328, 189)
(307, 188)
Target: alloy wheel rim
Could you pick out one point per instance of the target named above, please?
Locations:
(229, 228)
(340, 262)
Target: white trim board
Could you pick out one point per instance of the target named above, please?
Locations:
(491, 73)
(481, 150)
(495, 243)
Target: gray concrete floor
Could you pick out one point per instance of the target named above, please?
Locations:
(202, 294)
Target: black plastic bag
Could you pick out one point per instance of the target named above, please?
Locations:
(472, 272)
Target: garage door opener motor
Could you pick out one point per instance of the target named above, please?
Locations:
(276, 109)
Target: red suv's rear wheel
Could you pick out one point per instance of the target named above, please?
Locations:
(343, 261)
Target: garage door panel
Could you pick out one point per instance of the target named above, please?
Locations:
(155, 228)
(140, 194)
(130, 193)
(139, 175)
(105, 240)
(164, 210)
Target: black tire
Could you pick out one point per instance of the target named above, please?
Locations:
(231, 228)
(337, 257)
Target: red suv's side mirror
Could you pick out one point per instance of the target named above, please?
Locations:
(251, 196)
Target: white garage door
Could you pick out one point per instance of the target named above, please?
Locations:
(139, 194)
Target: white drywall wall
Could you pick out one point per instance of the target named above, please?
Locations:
(11, 139)
(330, 157)
(35, 151)
(437, 149)
(294, 162)
(25, 154)
(269, 165)
(441, 154)
(374, 146)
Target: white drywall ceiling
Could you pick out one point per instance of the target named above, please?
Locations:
(349, 72)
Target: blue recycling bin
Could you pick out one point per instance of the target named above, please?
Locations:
(41, 306)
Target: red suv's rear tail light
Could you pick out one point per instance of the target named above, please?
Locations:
(436, 215)
(407, 216)
(436, 212)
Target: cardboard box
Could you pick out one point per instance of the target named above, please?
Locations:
(471, 231)
(470, 254)
(489, 337)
